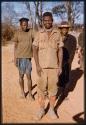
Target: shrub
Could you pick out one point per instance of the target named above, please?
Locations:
(7, 33)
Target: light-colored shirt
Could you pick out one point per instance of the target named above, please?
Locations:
(48, 47)
(24, 43)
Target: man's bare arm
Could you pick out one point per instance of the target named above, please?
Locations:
(15, 46)
(35, 54)
(60, 58)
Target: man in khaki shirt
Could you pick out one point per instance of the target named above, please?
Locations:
(45, 47)
(23, 53)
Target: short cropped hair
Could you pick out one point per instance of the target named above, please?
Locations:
(23, 19)
(48, 14)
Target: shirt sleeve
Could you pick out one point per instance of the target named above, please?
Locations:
(36, 39)
(33, 34)
(60, 42)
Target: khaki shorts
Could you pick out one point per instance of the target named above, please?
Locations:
(47, 83)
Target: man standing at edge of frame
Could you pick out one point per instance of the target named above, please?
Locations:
(69, 49)
(23, 39)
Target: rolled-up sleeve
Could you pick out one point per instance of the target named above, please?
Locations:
(60, 42)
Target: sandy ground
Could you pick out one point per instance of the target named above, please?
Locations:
(17, 110)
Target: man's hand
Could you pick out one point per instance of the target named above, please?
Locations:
(39, 70)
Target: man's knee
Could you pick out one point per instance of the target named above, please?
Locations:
(28, 76)
(52, 97)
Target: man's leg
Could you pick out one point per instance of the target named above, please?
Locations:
(42, 82)
(62, 80)
(81, 62)
(29, 84)
(41, 101)
(41, 111)
(52, 101)
(21, 82)
(68, 77)
(52, 89)
(51, 111)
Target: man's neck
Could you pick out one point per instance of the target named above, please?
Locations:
(48, 30)
(24, 30)
(64, 37)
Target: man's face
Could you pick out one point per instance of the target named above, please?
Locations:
(47, 21)
(24, 25)
(64, 31)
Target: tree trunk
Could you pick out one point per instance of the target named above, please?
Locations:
(69, 13)
(41, 14)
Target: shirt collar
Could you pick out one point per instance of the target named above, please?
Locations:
(53, 30)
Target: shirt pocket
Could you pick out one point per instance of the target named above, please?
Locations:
(42, 44)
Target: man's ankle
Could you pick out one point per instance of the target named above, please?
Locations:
(42, 107)
(52, 107)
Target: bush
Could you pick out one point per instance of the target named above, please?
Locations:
(7, 33)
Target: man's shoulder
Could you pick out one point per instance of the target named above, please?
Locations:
(41, 30)
(56, 30)
(31, 29)
(72, 37)
(18, 31)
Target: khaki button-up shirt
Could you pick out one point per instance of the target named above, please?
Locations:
(48, 48)
(24, 43)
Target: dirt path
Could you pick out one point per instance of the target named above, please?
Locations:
(16, 110)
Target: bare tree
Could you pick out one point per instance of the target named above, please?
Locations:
(59, 11)
(41, 10)
(8, 12)
(72, 10)
(30, 12)
(38, 12)
(36, 17)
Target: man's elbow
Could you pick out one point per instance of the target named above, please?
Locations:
(60, 50)
(35, 49)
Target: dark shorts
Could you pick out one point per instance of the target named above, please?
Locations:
(24, 65)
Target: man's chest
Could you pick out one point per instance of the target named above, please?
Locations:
(24, 37)
(47, 40)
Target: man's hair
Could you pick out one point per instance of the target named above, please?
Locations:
(48, 14)
(23, 20)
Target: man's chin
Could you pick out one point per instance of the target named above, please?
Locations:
(25, 30)
(48, 27)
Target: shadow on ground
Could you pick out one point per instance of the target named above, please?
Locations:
(78, 119)
(75, 76)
